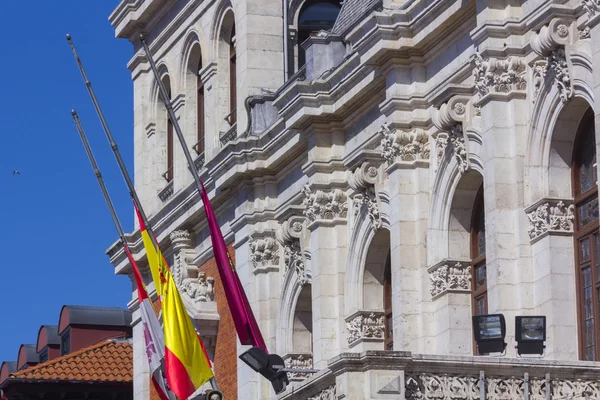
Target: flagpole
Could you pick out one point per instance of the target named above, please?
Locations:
(123, 168)
(113, 144)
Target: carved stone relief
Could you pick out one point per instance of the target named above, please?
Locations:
(591, 7)
(498, 76)
(450, 276)
(327, 394)
(365, 325)
(264, 252)
(298, 361)
(451, 138)
(550, 43)
(362, 182)
(321, 205)
(549, 216)
(404, 146)
(289, 236)
(190, 281)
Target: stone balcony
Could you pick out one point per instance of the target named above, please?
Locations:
(401, 375)
(300, 361)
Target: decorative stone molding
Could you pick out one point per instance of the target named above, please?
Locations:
(327, 394)
(449, 120)
(550, 43)
(550, 216)
(289, 236)
(365, 326)
(264, 253)
(298, 361)
(166, 193)
(427, 386)
(585, 33)
(449, 276)
(190, 281)
(362, 182)
(320, 205)
(404, 146)
(498, 76)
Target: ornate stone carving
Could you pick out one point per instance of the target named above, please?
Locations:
(320, 205)
(190, 281)
(558, 64)
(591, 7)
(448, 119)
(585, 33)
(575, 389)
(405, 146)
(450, 276)
(365, 325)
(501, 76)
(430, 387)
(550, 43)
(327, 394)
(362, 182)
(166, 193)
(550, 216)
(289, 237)
(298, 361)
(264, 253)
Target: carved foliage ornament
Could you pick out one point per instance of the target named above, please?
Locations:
(552, 216)
(500, 76)
(365, 325)
(362, 181)
(298, 361)
(327, 394)
(404, 146)
(450, 276)
(320, 205)
(289, 237)
(264, 252)
(550, 43)
(191, 282)
(449, 119)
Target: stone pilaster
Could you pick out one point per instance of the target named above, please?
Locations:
(504, 115)
(593, 27)
(407, 155)
(326, 210)
(451, 295)
(551, 235)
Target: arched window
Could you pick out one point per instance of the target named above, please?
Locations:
(232, 79)
(387, 305)
(315, 15)
(478, 266)
(200, 109)
(587, 240)
(168, 175)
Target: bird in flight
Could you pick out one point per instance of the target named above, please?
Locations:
(15, 172)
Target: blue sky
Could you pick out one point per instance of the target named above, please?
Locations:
(55, 226)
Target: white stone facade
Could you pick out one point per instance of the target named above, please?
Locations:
(379, 146)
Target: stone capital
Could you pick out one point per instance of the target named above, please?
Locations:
(550, 216)
(264, 252)
(320, 205)
(403, 146)
(362, 184)
(449, 276)
(494, 76)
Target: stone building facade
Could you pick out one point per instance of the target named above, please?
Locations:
(410, 165)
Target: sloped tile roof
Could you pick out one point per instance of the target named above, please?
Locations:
(352, 12)
(103, 362)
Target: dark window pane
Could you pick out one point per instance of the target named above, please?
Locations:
(587, 303)
(390, 328)
(480, 275)
(588, 211)
(319, 16)
(480, 243)
(589, 333)
(584, 246)
(480, 305)
(589, 354)
(587, 170)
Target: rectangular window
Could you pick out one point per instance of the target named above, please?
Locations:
(65, 342)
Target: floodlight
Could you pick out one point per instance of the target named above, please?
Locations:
(269, 366)
(489, 332)
(530, 334)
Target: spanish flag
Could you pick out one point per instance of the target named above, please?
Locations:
(186, 363)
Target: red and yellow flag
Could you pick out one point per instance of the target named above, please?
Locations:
(186, 363)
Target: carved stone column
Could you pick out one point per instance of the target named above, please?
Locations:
(451, 294)
(502, 97)
(551, 235)
(326, 210)
(407, 155)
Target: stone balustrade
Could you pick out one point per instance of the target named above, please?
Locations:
(298, 361)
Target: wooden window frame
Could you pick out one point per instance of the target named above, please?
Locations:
(585, 128)
(476, 258)
(388, 341)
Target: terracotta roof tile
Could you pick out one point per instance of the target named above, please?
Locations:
(105, 361)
